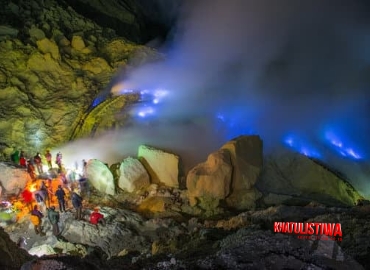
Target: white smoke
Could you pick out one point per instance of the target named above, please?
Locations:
(268, 67)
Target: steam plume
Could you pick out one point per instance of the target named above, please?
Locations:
(290, 71)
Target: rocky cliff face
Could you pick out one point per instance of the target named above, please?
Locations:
(55, 69)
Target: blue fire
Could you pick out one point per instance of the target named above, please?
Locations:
(342, 145)
(302, 146)
(148, 103)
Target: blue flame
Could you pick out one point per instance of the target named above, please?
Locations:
(148, 103)
(97, 101)
(342, 145)
(301, 146)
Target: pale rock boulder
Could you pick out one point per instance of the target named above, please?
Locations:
(294, 177)
(13, 179)
(211, 178)
(247, 160)
(132, 175)
(99, 175)
(163, 167)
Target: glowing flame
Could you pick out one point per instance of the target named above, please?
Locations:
(302, 147)
(33, 187)
(340, 147)
(145, 112)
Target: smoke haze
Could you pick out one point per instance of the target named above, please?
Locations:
(290, 71)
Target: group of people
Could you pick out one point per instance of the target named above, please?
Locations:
(43, 198)
(35, 163)
(43, 195)
(54, 216)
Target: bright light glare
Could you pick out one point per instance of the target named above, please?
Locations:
(145, 111)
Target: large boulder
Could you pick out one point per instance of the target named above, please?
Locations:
(211, 178)
(120, 232)
(132, 175)
(247, 160)
(99, 175)
(163, 167)
(301, 179)
(13, 179)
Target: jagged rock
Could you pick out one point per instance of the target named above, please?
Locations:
(12, 257)
(42, 250)
(36, 34)
(211, 178)
(47, 46)
(8, 31)
(97, 66)
(119, 233)
(246, 159)
(99, 175)
(292, 174)
(163, 167)
(49, 83)
(132, 175)
(155, 204)
(78, 43)
(257, 249)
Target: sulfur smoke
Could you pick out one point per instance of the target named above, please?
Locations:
(294, 72)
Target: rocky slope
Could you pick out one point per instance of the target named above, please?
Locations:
(55, 66)
(156, 225)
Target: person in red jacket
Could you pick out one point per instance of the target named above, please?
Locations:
(27, 199)
(97, 217)
(22, 160)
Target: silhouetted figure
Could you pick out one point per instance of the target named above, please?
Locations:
(61, 198)
(84, 167)
(15, 157)
(53, 217)
(84, 186)
(31, 170)
(77, 204)
(36, 217)
(48, 158)
(22, 160)
(45, 190)
(58, 161)
(40, 199)
(38, 163)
